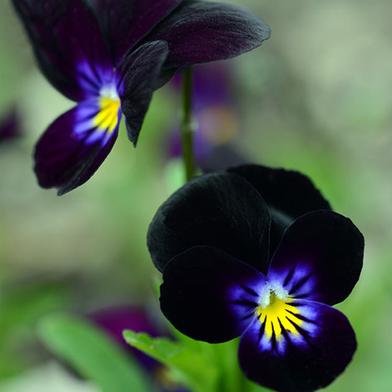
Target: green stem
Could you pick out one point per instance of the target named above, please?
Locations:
(187, 126)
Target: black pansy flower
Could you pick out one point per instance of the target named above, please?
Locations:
(211, 240)
(109, 56)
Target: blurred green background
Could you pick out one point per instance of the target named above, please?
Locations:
(316, 97)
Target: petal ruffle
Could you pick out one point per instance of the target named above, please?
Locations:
(201, 31)
(288, 193)
(219, 210)
(208, 295)
(75, 145)
(126, 22)
(67, 41)
(140, 73)
(317, 346)
(320, 257)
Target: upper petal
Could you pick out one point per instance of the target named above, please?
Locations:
(126, 22)
(220, 210)
(288, 193)
(201, 31)
(66, 40)
(209, 295)
(320, 257)
(140, 72)
(75, 145)
(315, 349)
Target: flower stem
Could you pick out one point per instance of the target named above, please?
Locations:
(187, 126)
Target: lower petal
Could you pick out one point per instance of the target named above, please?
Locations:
(210, 295)
(75, 145)
(310, 346)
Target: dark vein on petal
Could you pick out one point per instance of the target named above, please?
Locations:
(244, 302)
(249, 290)
(300, 283)
(261, 331)
(289, 276)
(301, 317)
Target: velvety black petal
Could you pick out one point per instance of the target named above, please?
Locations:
(65, 36)
(288, 193)
(208, 295)
(74, 147)
(126, 22)
(140, 73)
(201, 31)
(320, 257)
(317, 349)
(219, 210)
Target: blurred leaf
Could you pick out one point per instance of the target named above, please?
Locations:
(189, 365)
(23, 308)
(92, 353)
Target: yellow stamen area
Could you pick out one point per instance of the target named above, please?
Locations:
(277, 314)
(107, 117)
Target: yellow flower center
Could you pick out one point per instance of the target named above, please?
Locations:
(277, 315)
(109, 106)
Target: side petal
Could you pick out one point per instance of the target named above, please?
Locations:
(201, 31)
(320, 257)
(310, 355)
(208, 295)
(140, 73)
(126, 22)
(288, 193)
(74, 146)
(67, 42)
(219, 210)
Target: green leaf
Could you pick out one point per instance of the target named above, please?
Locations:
(92, 353)
(21, 309)
(189, 364)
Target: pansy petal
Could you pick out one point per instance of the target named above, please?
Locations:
(208, 295)
(288, 193)
(219, 210)
(315, 349)
(67, 42)
(126, 22)
(320, 257)
(201, 31)
(74, 147)
(141, 71)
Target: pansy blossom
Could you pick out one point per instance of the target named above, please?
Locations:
(109, 56)
(222, 278)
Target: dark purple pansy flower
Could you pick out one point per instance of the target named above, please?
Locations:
(115, 320)
(10, 126)
(109, 56)
(222, 279)
(214, 110)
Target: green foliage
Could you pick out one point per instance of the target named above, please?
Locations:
(91, 353)
(186, 363)
(201, 367)
(20, 310)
